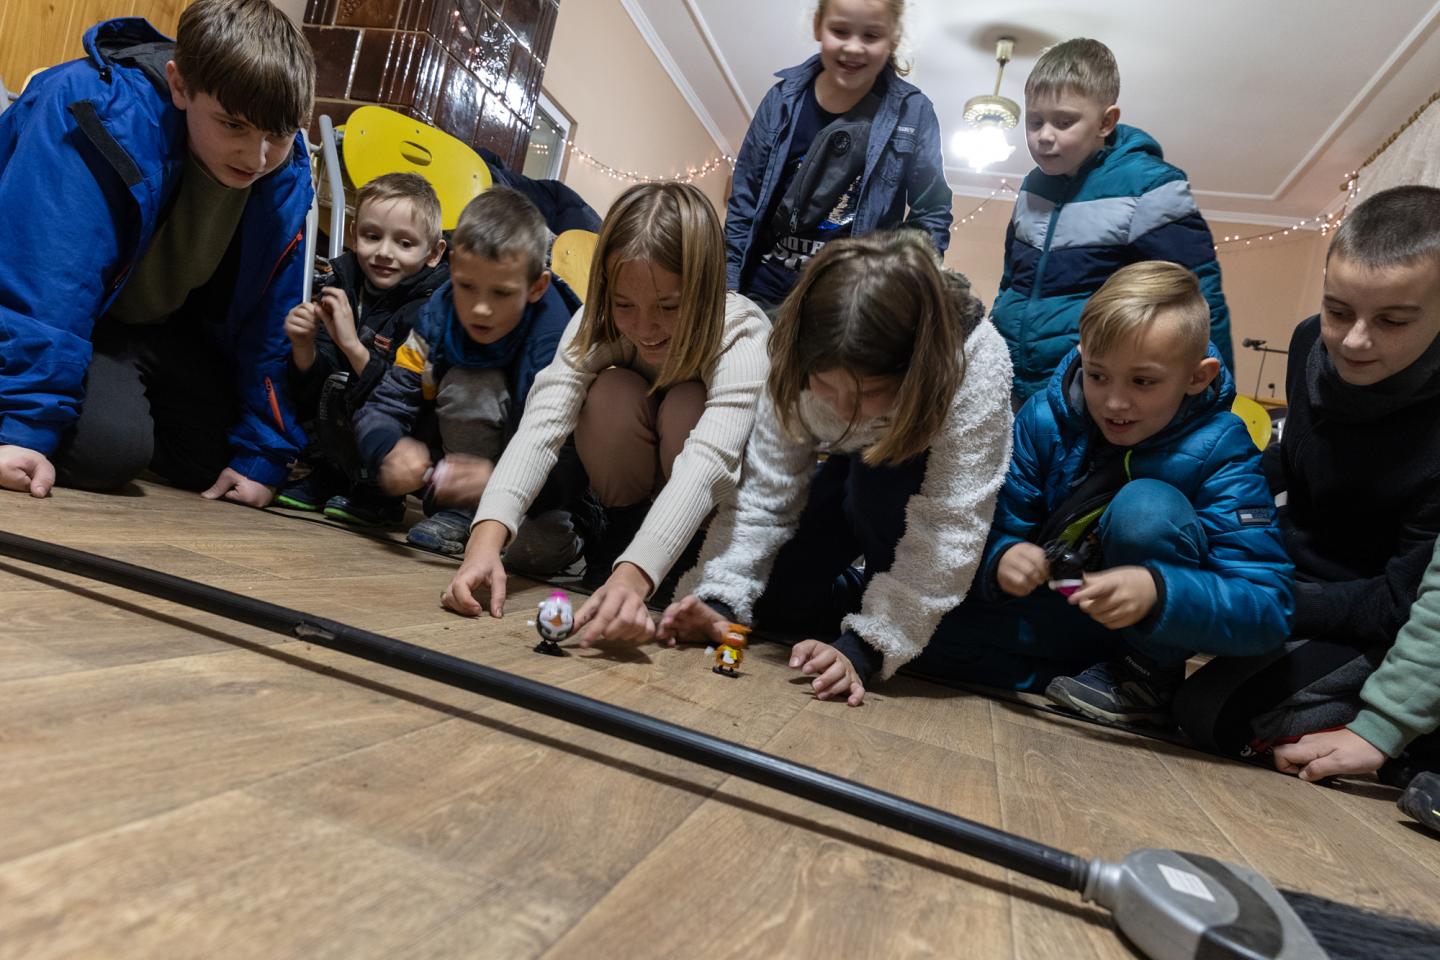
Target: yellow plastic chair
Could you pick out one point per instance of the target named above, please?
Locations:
(1257, 420)
(377, 141)
(570, 259)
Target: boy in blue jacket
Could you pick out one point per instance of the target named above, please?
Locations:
(155, 196)
(1101, 196)
(470, 361)
(1138, 497)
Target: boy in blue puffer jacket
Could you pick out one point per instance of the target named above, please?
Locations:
(154, 197)
(1138, 496)
(1100, 197)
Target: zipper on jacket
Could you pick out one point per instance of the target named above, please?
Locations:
(299, 236)
(274, 405)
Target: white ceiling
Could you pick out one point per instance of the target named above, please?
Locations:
(1266, 104)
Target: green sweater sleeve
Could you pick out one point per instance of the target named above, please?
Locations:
(1402, 698)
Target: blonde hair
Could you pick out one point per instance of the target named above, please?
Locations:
(1084, 66)
(410, 187)
(673, 226)
(1133, 298)
(250, 57)
(896, 9)
(877, 305)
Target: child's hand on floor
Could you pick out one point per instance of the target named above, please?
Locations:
(300, 326)
(691, 621)
(1116, 598)
(616, 615)
(334, 311)
(482, 568)
(1021, 569)
(28, 471)
(1333, 753)
(238, 488)
(460, 479)
(403, 469)
(837, 676)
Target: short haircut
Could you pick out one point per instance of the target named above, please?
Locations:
(1395, 227)
(1084, 66)
(501, 223)
(877, 305)
(1134, 296)
(673, 226)
(406, 186)
(250, 57)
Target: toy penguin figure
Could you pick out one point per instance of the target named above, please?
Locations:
(731, 650)
(1067, 567)
(554, 620)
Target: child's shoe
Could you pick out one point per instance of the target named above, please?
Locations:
(1421, 800)
(310, 492)
(447, 532)
(366, 507)
(1132, 690)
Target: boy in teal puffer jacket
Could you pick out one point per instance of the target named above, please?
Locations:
(1101, 196)
(1131, 471)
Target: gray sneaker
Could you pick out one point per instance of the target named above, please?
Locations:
(447, 532)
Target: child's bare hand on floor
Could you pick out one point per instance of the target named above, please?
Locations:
(1333, 753)
(1021, 569)
(238, 488)
(28, 471)
(835, 675)
(691, 620)
(1116, 598)
(482, 569)
(616, 615)
(403, 469)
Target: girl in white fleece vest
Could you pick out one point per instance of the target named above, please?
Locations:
(881, 363)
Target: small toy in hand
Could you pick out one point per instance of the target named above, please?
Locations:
(1067, 567)
(554, 621)
(731, 650)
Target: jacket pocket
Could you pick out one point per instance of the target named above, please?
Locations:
(896, 161)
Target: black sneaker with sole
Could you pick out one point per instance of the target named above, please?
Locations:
(1125, 691)
(310, 492)
(366, 508)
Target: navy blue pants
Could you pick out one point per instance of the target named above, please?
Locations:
(1023, 643)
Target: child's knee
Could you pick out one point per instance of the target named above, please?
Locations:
(1150, 519)
(618, 401)
(679, 412)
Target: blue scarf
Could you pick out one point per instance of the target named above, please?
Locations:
(464, 352)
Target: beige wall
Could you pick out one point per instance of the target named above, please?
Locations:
(628, 112)
(1270, 286)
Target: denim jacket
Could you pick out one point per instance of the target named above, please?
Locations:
(904, 168)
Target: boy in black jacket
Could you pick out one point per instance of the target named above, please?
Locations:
(345, 340)
(1360, 456)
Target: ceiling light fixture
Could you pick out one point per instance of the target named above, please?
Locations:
(989, 116)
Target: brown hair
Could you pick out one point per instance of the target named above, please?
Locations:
(502, 222)
(251, 58)
(406, 186)
(1394, 227)
(1085, 66)
(877, 305)
(673, 226)
(1129, 302)
(896, 9)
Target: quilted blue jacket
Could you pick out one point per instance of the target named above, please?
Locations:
(904, 167)
(1069, 234)
(89, 157)
(1240, 601)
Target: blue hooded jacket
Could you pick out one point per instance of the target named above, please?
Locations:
(1068, 235)
(89, 158)
(904, 167)
(1239, 603)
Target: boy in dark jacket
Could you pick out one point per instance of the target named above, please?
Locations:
(1101, 196)
(1138, 497)
(154, 198)
(344, 341)
(471, 359)
(1360, 464)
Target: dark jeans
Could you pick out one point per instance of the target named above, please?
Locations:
(159, 396)
(854, 510)
(1022, 643)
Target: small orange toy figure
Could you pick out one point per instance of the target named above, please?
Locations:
(731, 650)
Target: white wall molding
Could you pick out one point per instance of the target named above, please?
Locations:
(677, 75)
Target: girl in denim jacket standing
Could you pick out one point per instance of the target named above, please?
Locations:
(899, 177)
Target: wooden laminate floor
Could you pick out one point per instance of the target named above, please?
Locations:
(176, 785)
